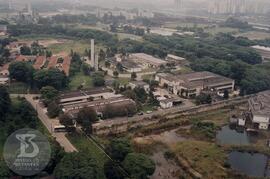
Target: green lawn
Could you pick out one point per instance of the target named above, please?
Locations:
(204, 157)
(75, 45)
(18, 88)
(217, 30)
(123, 81)
(122, 36)
(80, 79)
(83, 144)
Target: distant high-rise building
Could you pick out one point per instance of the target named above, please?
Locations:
(178, 4)
(10, 5)
(237, 6)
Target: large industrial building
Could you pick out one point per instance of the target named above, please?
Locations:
(192, 84)
(96, 98)
(260, 110)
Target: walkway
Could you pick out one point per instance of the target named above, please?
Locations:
(49, 123)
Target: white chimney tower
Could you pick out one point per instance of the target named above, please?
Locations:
(92, 53)
(96, 63)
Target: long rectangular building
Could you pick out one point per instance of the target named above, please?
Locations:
(191, 84)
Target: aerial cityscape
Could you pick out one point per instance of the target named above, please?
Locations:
(125, 89)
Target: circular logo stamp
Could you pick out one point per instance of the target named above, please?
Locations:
(27, 152)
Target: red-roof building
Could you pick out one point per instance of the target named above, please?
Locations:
(39, 63)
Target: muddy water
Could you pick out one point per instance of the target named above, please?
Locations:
(165, 169)
(251, 164)
(232, 136)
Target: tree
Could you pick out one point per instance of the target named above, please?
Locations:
(5, 101)
(49, 94)
(21, 71)
(77, 165)
(107, 64)
(53, 109)
(119, 148)
(119, 67)
(133, 76)
(25, 50)
(115, 74)
(98, 79)
(203, 99)
(226, 94)
(102, 55)
(67, 121)
(141, 94)
(51, 77)
(112, 171)
(139, 165)
(86, 117)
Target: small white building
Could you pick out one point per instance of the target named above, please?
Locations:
(4, 80)
(166, 103)
(140, 84)
(260, 110)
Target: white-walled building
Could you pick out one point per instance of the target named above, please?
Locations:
(260, 109)
(140, 84)
(191, 84)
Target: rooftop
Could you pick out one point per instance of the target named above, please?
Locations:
(258, 47)
(84, 92)
(175, 57)
(195, 79)
(139, 83)
(148, 58)
(40, 60)
(260, 104)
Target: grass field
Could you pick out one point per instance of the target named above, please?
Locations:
(80, 79)
(17, 88)
(216, 30)
(83, 144)
(206, 158)
(122, 36)
(183, 24)
(255, 35)
(77, 46)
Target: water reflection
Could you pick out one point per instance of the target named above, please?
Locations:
(232, 135)
(251, 164)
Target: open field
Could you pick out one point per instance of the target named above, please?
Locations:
(205, 158)
(183, 24)
(77, 46)
(255, 35)
(80, 79)
(216, 30)
(122, 36)
(17, 88)
(83, 144)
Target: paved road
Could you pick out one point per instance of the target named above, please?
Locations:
(48, 123)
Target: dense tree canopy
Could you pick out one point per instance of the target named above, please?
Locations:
(119, 148)
(86, 117)
(77, 165)
(49, 94)
(51, 77)
(139, 165)
(21, 71)
(4, 101)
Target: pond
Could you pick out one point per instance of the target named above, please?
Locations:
(229, 135)
(251, 164)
